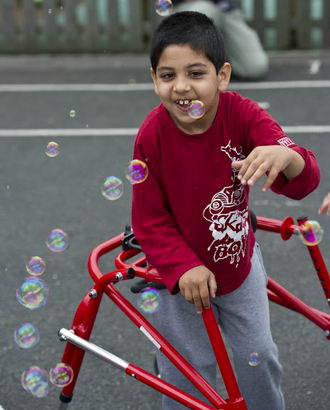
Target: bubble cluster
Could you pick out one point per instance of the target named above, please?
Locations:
(149, 300)
(26, 336)
(163, 7)
(137, 171)
(254, 359)
(35, 381)
(52, 149)
(36, 266)
(33, 293)
(196, 109)
(57, 240)
(112, 188)
(312, 233)
(72, 113)
(61, 375)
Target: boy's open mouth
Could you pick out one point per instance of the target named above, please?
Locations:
(183, 104)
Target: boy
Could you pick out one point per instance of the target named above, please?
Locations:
(191, 214)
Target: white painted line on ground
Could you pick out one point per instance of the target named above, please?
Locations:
(68, 132)
(262, 85)
(264, 104)
(1, 408)
(103, 132)
(306, 129)
(314, 67)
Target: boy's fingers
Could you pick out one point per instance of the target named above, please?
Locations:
(205, 296)
(213, 286)
(198, 302)
(252, 178)
(270, 179)
(236, 164)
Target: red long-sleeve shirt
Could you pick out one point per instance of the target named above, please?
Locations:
(192, 210)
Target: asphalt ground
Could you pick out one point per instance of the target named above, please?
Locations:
(39, 194)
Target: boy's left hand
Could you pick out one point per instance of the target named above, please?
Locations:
(272, 159)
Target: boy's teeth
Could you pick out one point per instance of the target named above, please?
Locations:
(184, 102)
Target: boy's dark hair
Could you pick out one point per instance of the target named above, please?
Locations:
(188, 28)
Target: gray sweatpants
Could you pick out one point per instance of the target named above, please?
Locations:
(244, 319)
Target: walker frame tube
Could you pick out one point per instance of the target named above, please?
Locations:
(83, 322)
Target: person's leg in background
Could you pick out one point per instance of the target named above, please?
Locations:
(242, 44)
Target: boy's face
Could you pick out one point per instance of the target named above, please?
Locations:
(183, 75)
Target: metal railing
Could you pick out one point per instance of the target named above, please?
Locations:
(74, 26)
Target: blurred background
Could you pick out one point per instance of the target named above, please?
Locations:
(57, 26)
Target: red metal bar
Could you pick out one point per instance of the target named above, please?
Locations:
(168, 389)
(294, 303)
(222, 357)
(165, 347)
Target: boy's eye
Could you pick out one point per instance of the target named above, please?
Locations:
(196, 74)
(166, 76)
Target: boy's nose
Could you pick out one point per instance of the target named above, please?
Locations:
(181, 85)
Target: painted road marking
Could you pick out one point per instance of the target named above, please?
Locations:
(262, 85)
(264, 104)
(314, 67)
(103, 132)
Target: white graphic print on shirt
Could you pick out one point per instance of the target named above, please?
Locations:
(229, 225)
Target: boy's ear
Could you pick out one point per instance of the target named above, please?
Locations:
(224, 77)
(153, 76)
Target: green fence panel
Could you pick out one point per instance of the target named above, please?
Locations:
(37, 26)
(272, 21)
(76, 26)
(313, 24)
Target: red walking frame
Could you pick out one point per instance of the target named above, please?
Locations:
(77, 337)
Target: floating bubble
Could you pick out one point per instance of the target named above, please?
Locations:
(61, 375)
(72, 113)
(112, 188)
(312, 233)
(164, 7)
(33, 293)
(35, 381)
(149, 300)
(57, 240)
(137, 171)
(196, 109)
(254, 359)
(52, 149)
(36, 266)
(26, 336)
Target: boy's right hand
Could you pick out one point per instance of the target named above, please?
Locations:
(197, 285)
(325, 207)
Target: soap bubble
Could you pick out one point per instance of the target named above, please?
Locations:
(312, 233)
(149, 300)
(57, 240)
(35, 381)
(36, 266)
(196, 109)
(254, 359)
(61, 375)
(33, 293)
(26, 336)
(164, 7)
(112, 188)
(52, 149)
(137, 171)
